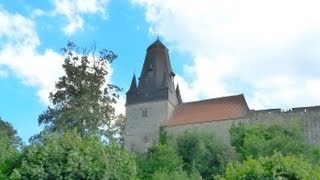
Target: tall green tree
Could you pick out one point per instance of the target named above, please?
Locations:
(117, 129)
(10, 145)
(83, 100)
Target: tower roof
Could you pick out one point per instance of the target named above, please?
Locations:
(178, 94)
(157, 44)
(133, 87)
(156, 81)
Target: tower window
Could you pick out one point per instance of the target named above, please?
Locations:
(144, 113)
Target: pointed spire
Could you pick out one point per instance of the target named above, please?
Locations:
(178, 94)
(133, 87)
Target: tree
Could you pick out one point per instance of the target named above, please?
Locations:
(176, 175)
(275, 167)
(10, 144)
(255, 140)
(83, 100)
(203, 152)
(70, 156)
(160, 158)
(118, 129)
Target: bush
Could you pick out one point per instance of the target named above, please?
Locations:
(274, 167)
(69, 156)
(160, 158)
(176, 175)
(202, 152)
(255, 140)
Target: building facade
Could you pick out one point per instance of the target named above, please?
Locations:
(155, 102)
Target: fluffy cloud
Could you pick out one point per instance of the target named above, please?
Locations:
(3, 73)
(73, 9)
(18, 53)
(268, 50)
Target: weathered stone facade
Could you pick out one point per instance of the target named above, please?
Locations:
(143, 125)
(307, 117)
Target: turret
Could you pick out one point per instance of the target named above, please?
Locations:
(152, 101)
(156, 81)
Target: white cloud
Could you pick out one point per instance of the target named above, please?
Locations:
(120, 106)
(18, 53)
(74, 9)
(269, 50)
(3, 73)
(37, 12)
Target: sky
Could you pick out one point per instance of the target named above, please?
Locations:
(268, 50)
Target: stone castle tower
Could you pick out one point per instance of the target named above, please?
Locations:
(152, 101)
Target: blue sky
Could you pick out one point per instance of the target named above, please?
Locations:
(267, 50)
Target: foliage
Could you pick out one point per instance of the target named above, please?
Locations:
(314, 155)
(202, 152)
(160, 158)
(69, 156)
(10, 144)
(83, 100)
(255, 140)
(164, 138)
(274, 167)
(176, 175)
(117, 129)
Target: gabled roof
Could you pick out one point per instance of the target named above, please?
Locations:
(216, 109)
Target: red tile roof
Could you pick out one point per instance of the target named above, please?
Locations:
(223, 108)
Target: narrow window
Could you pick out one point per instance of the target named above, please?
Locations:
(144, 113)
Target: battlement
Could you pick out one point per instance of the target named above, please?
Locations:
(293, 110)
(308, 116)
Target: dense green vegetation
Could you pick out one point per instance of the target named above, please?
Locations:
(69, 156)
(161, 158)
(83, 138)
(276, 166)
(264, 139)
(10, 145)
(203, 152)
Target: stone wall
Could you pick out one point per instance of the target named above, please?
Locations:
(143, 124)
(309, 118)
(220, 128)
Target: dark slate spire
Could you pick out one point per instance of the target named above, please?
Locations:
(133, 87)
(156, 79)
(178, 94)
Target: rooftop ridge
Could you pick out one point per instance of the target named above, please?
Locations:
(211, 99)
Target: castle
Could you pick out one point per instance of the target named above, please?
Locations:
(155, 102)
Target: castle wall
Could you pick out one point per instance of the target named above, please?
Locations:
(143, 124)
(220, 128)
(309, 118)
